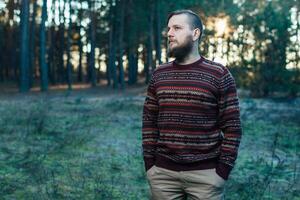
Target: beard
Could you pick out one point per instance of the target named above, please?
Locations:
(182, 51)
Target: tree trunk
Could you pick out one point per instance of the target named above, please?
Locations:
(2, 46)
(130, 66)
(43, 46)
(158, 32)
(166, 46)
(10, 50)
(121, 49)
(61, 67)
(79, 76)
(149, 45)
(51, 40)
(92, 70)
(112, 48)
(297, 39)
(24, 62)
(68, 48)
(135, 69)
(32, 45)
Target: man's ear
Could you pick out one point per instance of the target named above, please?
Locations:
(196, 34)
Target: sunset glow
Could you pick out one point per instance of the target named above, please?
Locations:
(221, 26)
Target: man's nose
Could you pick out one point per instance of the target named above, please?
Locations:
(170, 33)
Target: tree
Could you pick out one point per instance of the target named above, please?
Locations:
(158, 31)
(68, 49)
(61, 43)
(92, 31)
(32, 44)
(259, 31)
(149, 45)
(79, 76)
(52, 59)
(24, 62)
(132, 42)
(112, 70)
(121, 49)
(43, 46)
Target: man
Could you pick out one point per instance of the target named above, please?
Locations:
(191, 120)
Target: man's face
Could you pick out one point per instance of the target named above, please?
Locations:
(180, 37)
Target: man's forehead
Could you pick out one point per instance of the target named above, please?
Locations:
(181, 19)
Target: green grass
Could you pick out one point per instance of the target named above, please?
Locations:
(84, 147)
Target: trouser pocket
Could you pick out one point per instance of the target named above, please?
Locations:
(150, 172)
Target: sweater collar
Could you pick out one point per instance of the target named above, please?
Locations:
(188, 65)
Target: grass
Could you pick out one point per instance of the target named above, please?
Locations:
(89, 147)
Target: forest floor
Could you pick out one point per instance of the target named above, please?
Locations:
(86, 144)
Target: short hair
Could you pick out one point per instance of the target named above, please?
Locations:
(195, 21)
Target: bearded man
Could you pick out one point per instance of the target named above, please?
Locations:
(191, 127)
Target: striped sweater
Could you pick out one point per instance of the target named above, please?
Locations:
(191, 118)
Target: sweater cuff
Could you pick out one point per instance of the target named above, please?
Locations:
(223, 170)
(149, 162)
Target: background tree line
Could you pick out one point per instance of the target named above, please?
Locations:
(120, 42)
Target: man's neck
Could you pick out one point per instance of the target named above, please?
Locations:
(191, 58)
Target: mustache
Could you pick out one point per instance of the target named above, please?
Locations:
(171, 41)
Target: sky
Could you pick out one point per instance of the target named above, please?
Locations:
(2, 5)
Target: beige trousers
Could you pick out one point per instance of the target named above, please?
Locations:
(196, 184)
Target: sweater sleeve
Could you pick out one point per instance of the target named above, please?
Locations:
(230, 124)
(149, 126)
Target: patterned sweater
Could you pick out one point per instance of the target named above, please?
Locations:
(191, 118)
